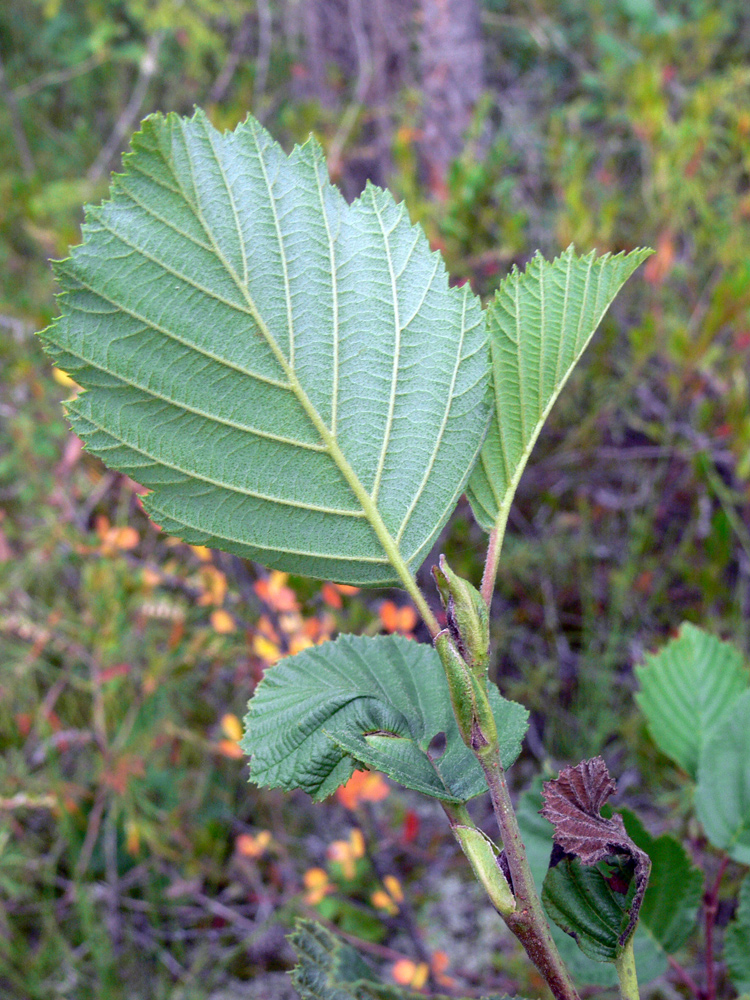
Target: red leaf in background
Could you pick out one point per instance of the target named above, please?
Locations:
(660, 264)
(23, 722)
(410, 828)
(118, 670)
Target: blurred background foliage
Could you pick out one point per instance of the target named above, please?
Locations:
(135, 861)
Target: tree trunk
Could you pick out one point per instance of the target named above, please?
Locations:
(451, 56)
(359, 55)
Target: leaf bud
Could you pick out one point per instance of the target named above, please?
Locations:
(468, 692)
(467, 616)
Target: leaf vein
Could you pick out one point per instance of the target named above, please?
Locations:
(245, 428)
(192, 474)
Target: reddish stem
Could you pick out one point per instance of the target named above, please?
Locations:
(710, 909)
(685, 977)
(491, 563)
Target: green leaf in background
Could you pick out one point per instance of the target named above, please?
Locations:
(686, 690)
(737, 942)
(722, 798)
(583, 903)
(330, 969)
(376, 702)
(537, 836)
(291, 376)
(540, 322)
(675, 887)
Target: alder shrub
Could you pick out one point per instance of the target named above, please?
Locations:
(294, 380)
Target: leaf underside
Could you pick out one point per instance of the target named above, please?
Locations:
(373, 702)
(540, 322)
(686, 690)
(290, 376)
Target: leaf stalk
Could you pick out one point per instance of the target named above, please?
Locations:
(625, 965)
(492, 560)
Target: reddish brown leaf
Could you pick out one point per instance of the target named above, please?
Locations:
(572, 804)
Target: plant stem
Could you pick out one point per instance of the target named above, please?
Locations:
(528, 921)
(684, 976)
(710, 908)
(492, 560)
(626, 973)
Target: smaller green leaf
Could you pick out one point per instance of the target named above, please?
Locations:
(722, 798)
(591, 903)
(540, 323)
(330, 969)
(536, 832)
(675, 888)
(368, 702)
(737, 942)
(686, 690)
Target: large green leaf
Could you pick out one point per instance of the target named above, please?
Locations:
(377, 702)
(737, 942)
(291, 376)
(722, 798)
(686, 690)
(330, 969)
(540, 323)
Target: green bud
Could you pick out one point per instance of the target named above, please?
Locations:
(459, 685)
(482, 856)
(468, 618)
(468, 692)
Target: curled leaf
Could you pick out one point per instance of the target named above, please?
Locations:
(572, 803)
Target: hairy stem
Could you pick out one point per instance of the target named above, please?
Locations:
(528, 921)
(492, 560)
(491, 563)
(626, 973)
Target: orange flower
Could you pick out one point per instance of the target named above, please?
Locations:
(214, 585)
(331, 595)
(253, 846)
(347, 852)
(231, 727)
(397, 619)
(408, 973)
(132, 837)
(393, 886)
(363, 786)
(273, 591)
(382, 901)
(114, 539)
(222, 622)
(388, 899)
(229, 748)
(317, 885)
(439, 963)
